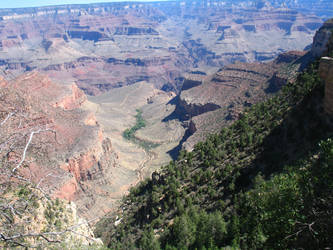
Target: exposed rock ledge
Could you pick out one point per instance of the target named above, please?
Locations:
(186, 110)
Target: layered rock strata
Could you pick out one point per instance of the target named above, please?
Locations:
(57, 142)
(213, 101)
(104, 46)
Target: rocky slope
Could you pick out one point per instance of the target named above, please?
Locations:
(36, 221)
(207, 103)
(102, 46)
(49, 135)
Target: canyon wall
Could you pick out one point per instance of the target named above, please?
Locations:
(323, 40)
(214, 101)
(104, 46)
(67, 154)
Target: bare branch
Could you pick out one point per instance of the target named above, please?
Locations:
(6, 119)
(26, 148)
(20, 124)
(46, 235)
(21, 178)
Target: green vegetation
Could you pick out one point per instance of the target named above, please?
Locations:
(140, 123)
(265, 182)
(129, 133)
(146, 145)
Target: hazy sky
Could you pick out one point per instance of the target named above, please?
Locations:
(35, 3)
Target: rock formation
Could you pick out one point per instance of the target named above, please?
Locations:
(66, 152)
(322, 44)
(326, 73)
(210, 102)
(323, 39)
(109, 45)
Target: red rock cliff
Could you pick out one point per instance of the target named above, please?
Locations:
(67, 155)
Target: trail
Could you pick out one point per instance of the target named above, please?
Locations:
(150, 156)
(128, 95)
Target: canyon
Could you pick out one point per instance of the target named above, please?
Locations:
(104, 46)
(75, 76)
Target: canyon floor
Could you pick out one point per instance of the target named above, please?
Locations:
(116, 111)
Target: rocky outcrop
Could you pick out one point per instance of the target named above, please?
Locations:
(185, 109)
(289, 57)
(86, 35)
(44, 222)
(73, 101)
(92, 178)
(326, 73)
(192, 80)
(323, 39)
(323, 46)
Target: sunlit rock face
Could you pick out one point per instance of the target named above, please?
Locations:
(326, 73)
(68, 156)
(323, 40)
(103, 46)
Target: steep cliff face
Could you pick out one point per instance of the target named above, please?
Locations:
(326, 73)
(323, 40)
(67, 154)
(187, 108)
(323, 47)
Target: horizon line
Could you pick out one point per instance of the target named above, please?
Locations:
(49, 3)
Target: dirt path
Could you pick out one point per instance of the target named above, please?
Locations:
(127, 96)
(150, 156)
